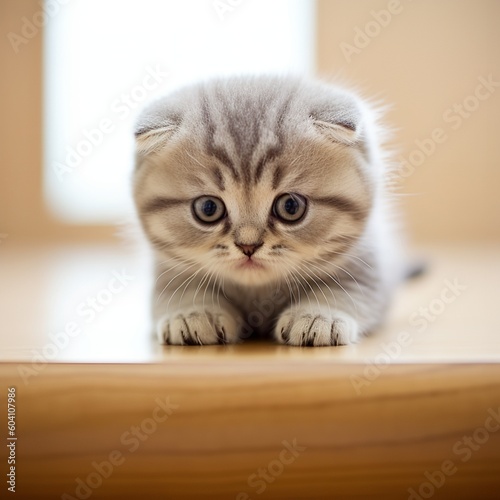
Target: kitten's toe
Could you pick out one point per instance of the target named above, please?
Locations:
(316, 328)
(197, 327)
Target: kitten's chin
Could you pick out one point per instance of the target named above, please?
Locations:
(250, 272)
(250, 264)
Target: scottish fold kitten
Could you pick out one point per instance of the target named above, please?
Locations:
(265, 202)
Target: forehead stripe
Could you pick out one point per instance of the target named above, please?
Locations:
(159, 204)
(276, 149)
(277, 176)
(342, 204)
(219, 179)
(212, 149)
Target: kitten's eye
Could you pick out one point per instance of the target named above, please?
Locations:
(209, 209)
(290, 207)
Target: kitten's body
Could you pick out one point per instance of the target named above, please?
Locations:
(245, 144)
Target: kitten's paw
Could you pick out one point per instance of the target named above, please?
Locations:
(304, 327)
(197, 327)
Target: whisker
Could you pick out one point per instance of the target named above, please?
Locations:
(187, 281)
(213, 288)
(218, 289)
(305, 291)
(292, 298)
(175, 277)
(292, 278)
(345, 271)
(200, 284)
(174, 257)
(169, 269)
(351, 256)
(306, 281)
(337, 281)
(321, 289)
(207, 285)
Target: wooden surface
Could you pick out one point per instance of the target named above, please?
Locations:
(43, 290)
(374, 418)
(232, 418)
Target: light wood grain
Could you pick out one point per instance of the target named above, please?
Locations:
(232, 418)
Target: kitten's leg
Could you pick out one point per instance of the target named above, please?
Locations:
(194, 313)
(326, 315)
(316, 326)
(197, 326)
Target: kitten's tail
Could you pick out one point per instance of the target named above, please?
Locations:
(416, 269)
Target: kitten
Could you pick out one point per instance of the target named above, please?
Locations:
(265, 201)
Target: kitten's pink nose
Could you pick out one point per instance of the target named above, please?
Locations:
(248, 249)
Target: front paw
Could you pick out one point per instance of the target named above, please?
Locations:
(197, 327)
(304, 327)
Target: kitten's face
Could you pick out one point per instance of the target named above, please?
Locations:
(252, 200)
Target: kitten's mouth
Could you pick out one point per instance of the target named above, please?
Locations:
(249, 263)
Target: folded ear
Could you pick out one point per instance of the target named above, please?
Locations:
(150, 140)
(156, 124)
(339, 119)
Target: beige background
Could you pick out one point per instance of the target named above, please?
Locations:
(428, 57)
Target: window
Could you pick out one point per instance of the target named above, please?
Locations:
(104, 60)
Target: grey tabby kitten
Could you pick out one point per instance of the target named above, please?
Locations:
(264, 199)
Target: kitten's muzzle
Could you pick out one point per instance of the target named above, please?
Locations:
(248, 248)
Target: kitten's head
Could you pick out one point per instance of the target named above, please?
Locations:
(253, 178)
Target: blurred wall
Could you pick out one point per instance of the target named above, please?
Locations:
(438, 64)
(20, 118)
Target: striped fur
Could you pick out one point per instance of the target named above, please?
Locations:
(323, 280)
